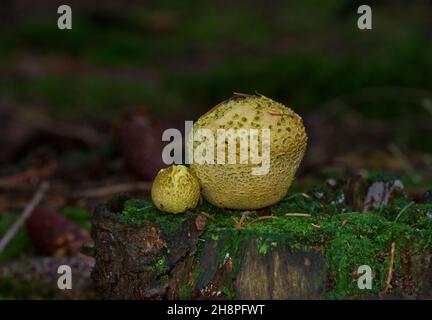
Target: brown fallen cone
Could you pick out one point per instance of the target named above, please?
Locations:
(139, 137)
(55, 235)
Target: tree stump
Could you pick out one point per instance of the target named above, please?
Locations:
(305, 247)
(152, 261)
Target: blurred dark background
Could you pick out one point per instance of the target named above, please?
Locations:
(84, 108)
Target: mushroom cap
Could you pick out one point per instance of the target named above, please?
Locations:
(234, 186)
(175, 189)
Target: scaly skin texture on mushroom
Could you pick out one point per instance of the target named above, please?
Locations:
(233, 186)
(175, 189)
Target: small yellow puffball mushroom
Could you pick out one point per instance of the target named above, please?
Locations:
(234, 186)
(175, 189)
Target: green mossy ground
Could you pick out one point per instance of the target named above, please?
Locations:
(347, 239)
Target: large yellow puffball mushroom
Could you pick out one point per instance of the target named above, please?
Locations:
(234, 186)
(175, 189)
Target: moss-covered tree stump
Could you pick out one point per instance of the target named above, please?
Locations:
(308, 246)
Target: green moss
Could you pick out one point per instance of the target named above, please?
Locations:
(160, 265)
(214, 237)
(263, 249)
(80, 216)
(228, 293)
(186, 291)
(138, 212)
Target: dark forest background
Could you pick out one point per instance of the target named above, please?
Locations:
(84, 108)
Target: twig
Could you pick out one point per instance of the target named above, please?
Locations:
(25, 214)
(239, 223)
(113, 189)
(259, 219)
(240, 94)
(28, 175)
(297, 195)
(316, 226)
(297, 214)
(207, 215)
(390, 273)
